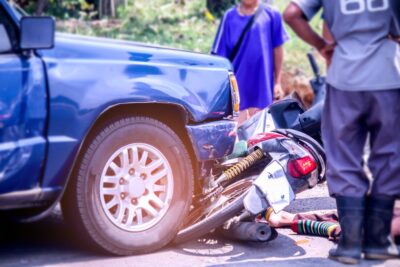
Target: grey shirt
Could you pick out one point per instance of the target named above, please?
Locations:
(365, 59)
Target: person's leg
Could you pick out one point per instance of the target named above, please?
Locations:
(253, 111)
(384, 163)
(344, 133)
(395, 6)
(396, 223)
(246, 114)
(378, 243)
(323, 216)
(319, 228)
(384, 160)
(280, 219)
(243, 116)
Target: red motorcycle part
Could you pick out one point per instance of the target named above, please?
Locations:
(301, 167)
(258, 138)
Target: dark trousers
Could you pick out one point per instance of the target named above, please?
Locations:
(395, 5)
(347, 119)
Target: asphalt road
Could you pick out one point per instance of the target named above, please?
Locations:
(48, 243)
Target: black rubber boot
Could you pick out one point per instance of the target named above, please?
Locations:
(378, 244)
(351, 219)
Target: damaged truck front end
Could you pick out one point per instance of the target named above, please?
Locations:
(119, 130)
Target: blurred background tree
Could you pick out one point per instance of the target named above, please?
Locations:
(218, 7)
(105, 7)
(182, 24)
(72, 8)
(185, 24)
(59, 8)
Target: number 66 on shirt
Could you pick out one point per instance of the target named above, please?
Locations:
(350, 7)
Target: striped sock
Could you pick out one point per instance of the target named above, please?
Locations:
(309, 227)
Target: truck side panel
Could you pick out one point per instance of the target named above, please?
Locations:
(83, 85)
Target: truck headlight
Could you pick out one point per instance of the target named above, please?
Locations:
(235, 94)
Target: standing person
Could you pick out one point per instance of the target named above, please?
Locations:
(363, 96)
(396, 24)
(257, 56)
(396, 13)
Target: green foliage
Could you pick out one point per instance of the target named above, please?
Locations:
(62, 9)
(70, 9)
(217, 8)
(179, 24)
(28, 6)
(162, 22)
(296, 49)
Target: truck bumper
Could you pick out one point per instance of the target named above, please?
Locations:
(213, 140)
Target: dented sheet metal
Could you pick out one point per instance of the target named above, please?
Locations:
(213, 140)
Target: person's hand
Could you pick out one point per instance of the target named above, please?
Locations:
(278, 92)
(326, 52)
(395, 38)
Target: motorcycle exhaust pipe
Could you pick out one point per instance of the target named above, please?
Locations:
(249, 231)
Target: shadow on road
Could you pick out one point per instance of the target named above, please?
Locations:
(215, 245)
(304, 262)
(281, 252)
(48, 241)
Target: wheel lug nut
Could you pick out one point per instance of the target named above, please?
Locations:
(121, 181)
(131, 171)
(122, 195)
(134, 201)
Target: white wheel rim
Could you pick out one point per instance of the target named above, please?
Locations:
(136, 187)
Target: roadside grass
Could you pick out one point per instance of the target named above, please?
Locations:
(188, 26)
(160, 22)
(295, 49)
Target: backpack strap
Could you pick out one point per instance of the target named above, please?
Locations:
(246, 29)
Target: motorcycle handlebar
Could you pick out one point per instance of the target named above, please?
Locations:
(313, 64)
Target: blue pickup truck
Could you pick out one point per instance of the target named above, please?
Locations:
(119, 133)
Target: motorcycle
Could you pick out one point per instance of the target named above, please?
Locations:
(284, 157)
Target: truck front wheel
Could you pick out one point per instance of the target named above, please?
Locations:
(133, 187)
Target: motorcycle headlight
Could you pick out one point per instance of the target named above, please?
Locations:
(235, 94)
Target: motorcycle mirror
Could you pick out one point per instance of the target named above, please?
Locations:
(314, 65)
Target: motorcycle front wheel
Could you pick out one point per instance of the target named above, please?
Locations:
(227, 205)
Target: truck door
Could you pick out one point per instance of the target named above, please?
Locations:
(23, 113)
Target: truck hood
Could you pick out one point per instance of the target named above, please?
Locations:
(103, 72)
(84, 47)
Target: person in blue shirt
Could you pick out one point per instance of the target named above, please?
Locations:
(258, 62)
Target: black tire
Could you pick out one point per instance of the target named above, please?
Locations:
(82, 205)
(215, 220)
